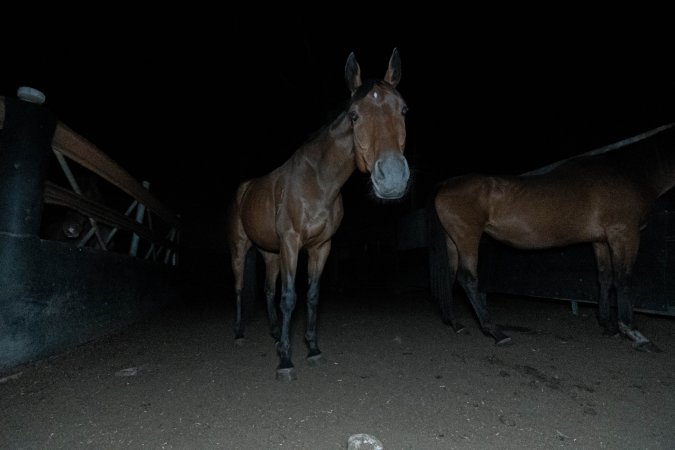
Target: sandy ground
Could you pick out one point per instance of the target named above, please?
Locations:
(393, 370)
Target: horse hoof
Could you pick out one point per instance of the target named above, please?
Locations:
(460, 329)
(611, 333)
(649, 347)
(456, 326)
(316, 360)
(286, 375)
(504, 340)
(240, 341)
(640, 342)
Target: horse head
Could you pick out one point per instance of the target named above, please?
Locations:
(377, 114)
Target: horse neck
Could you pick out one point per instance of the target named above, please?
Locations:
(330, 156)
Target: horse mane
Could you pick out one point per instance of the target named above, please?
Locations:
(604, 149)
(334, 113)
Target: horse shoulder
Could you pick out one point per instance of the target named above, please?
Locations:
(464, 188)
(465, 200)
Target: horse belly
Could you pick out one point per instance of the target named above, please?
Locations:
(536, 231)
(263, 235)
(258, 219)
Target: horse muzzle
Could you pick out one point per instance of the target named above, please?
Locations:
(390, 176)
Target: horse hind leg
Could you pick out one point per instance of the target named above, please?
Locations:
(271, 275)
(238, 256)
(239, 245)
(316, 261)
(446, 286)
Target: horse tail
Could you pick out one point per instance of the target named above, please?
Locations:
(439, 263)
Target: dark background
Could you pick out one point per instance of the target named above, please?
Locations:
(195, 101)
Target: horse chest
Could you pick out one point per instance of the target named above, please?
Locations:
(319, 226)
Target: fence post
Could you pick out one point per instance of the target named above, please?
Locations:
(25, 148)
(140, 212)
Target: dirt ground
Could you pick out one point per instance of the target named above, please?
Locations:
(393, 370)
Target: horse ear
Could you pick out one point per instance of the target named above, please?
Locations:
(352, 73)
(393, 75)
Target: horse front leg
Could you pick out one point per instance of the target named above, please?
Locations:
(445, 285)
(626, 324)
(468, 278)
(479, 302)
(285, 370)
(238, 268)
(624, 253)
(289, 263)
(606, 319)
(316, 261)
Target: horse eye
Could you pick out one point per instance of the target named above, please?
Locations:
(404, 110)
(354, 116)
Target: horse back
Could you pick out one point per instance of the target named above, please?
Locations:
(563, 208)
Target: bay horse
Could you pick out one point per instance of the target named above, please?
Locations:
(299, 205)
(602, 197)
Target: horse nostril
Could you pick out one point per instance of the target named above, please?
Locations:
(378, 172)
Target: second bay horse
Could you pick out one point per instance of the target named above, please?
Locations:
(299, 205)
(601, 198)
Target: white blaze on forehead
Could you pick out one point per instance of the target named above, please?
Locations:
(375, 94)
